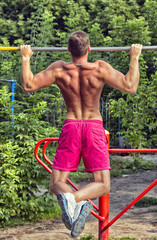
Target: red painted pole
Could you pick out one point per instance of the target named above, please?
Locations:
(104, 209)
(130, 205)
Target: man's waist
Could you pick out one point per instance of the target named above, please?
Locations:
(83, 121)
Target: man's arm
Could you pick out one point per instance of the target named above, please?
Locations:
(129, 82)
(43, 79)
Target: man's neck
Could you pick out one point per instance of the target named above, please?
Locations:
(79, 61)
(79, 64)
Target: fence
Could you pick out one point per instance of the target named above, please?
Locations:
(103, 208)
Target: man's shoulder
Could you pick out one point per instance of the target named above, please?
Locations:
(57, 64)
(101, 64)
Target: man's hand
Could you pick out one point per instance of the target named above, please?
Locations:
(135, 50)
(26, 51)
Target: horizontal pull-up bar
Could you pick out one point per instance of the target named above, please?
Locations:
(64, 49)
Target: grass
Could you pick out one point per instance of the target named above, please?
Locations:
(146, 202)
(120, 167)
(88, 237)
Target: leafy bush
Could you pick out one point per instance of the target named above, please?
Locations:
(20, 173)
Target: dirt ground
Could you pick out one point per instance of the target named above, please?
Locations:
(140, 223)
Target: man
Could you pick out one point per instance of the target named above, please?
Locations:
(81, 84)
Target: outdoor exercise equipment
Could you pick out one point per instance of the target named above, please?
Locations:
(64, 49)
(103, 208)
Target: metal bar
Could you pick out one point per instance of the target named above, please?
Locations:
(13, 82)
(44, 152)
(104, 212)
(104, 207)
(37, 156)
(130, 205)
(64, 49)
(9, 49)
(132, 150)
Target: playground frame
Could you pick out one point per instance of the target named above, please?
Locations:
(103, 208)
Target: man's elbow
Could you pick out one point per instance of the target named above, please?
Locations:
(132, 90)
(27, 89)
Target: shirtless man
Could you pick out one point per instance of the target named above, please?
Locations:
(82, 135)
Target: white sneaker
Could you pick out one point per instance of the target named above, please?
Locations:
(67, 203)
(82, 210)
(78, 209)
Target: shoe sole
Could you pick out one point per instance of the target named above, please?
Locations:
(65, 215)
(79, 223)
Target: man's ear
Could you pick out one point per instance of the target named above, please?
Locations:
(68, 49)
(89, 48)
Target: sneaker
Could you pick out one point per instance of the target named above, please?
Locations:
(82, 210)
(67, 204)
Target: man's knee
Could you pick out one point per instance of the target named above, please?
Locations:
(104, 178)
(57, 178)
(107, 187)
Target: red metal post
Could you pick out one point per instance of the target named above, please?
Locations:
(104, 209)
(104, 212)
(131, 204)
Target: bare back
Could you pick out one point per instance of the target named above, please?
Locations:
(81, 88)
(81, 85)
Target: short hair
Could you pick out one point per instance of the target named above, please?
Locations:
(78, 43)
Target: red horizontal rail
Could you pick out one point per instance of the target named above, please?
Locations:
(130, 205)
(132, 150)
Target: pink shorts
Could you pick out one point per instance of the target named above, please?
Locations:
(82, 138)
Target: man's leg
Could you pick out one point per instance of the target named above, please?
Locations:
(58, 182)
(64, 193)
(99, 187)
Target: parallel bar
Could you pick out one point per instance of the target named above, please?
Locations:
(64, 49)
(130, 205)
(132, 150)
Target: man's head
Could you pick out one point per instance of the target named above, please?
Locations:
(78, 43)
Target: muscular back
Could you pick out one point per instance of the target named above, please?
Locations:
(81, 87)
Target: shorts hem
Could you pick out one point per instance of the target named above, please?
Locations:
(64, 169)
(97, 169)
